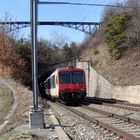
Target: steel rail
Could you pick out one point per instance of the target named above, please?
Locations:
(123, 107)
(112, 100)
(130, 104)
(137, 122)
(114, 130)
(110, 103)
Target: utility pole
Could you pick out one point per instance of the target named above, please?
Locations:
(36, 116)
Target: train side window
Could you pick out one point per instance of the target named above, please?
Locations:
(48, 84)
(53, 82)
(56, 80)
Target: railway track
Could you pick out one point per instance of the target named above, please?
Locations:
(127, 119)
(121, 126)
(114, 103)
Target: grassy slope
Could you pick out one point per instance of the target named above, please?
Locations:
(6, 100)
(125, 71)
(20, 116)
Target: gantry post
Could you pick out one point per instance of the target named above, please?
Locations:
(34, 52)
(36, 116)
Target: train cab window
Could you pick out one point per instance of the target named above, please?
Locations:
(77, 77)
(65, 77)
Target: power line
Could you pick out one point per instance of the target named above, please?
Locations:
(81, 4)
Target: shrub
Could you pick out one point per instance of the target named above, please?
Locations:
(11, 63)
(95, 51)
(115, 33)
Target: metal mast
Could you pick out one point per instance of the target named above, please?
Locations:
(34, 9)
(36, 116)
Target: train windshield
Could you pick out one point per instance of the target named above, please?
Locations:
(75, 77)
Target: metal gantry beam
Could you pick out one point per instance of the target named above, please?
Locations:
(86, 27)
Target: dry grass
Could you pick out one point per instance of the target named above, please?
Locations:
(20, 117)
(125, 71)
(23, 102)
(6, 100)
(21, 136)
(24, 135)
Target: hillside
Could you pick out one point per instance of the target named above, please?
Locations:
(125, 71)
(114, 50)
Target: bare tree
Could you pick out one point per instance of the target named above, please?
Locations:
(59, 39)
(11, 63)
(134, 30)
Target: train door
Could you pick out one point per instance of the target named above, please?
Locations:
(53, 86)
(56, 84)
(47, 87)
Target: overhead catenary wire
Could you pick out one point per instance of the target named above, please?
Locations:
(81, 4)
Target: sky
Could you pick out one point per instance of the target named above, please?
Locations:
(19, 10)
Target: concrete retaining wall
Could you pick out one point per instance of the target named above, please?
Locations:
(98, 86)
(128, 93)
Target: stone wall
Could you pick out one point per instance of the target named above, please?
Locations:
(98, 86)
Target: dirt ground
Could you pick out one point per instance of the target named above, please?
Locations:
(125, 71)
(18, 114)
(6, 100)
(15, 125)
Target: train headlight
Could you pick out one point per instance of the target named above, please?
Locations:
(61, 91)
(82, 90)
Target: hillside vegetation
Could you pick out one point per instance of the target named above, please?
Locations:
(6, 100)
(115, 49)
(15, 56)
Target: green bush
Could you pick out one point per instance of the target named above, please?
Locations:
(115, 33)
(95, 51)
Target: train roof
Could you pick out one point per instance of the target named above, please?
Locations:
(69, 69)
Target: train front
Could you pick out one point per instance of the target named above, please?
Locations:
(72, 85)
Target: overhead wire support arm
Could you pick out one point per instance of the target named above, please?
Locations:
(81, 4)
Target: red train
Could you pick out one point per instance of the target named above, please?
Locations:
(67, 84)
